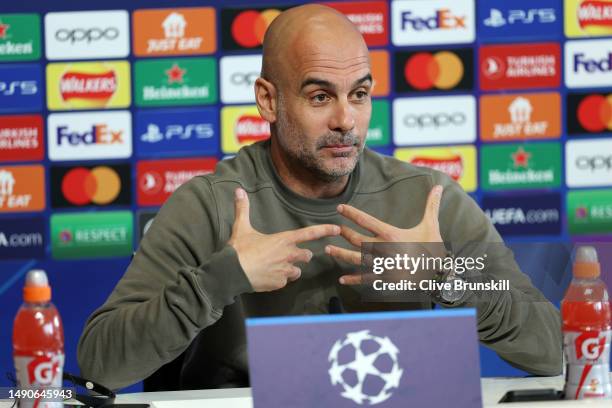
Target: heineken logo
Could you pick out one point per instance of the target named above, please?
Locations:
(19, 37)
(589, 211)
(175, 74)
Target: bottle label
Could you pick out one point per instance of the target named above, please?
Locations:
(588, 356)
(38, 372)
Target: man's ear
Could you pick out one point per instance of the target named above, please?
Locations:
(265, 97)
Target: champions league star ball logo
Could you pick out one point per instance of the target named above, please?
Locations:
(365, 366)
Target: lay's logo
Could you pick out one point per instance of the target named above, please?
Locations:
(588, 18)
(452, 165)
(241, 126)
(251, 128)
(95, 85)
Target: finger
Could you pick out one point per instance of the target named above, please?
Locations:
(350, 279)
(294, 273)
(432, 208)
(300, 255)
(363, 219)
(241, 208)
(313, 232)
(346, 255)
(353, 236)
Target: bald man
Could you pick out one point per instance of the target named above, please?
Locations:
(277, 230)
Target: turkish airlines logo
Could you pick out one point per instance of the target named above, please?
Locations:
(589, 113)
(21, 138)
(91, 185)
(238, 75)
(370, 17)
(158, 179)
(434, 120)
(516, 117)
(588, 163)
(246, 27)
(432, 22)
(182, 31)
(588, 63)
(520, 66)
(22, 188)
(90, 135)
(87, 35)
(440, 70)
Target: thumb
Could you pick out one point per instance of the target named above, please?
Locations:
(241, 210)
(432, 208)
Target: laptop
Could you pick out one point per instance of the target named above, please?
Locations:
(393, 359)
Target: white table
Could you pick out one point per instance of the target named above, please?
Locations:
(492, 390)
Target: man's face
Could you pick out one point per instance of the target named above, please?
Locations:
(324, 111)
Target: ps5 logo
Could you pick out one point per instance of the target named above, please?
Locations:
(497, 19)
(180, 132)
(18, 87)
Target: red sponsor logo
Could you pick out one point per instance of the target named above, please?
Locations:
(370, 17)
(21, 138)
(158, 179)
(590, 345)
(251, 128)
(595, 13)
(595, 113)
(92, 86)
(520, 66)
(453, 166)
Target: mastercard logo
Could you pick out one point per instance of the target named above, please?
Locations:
(100, 185)
(442, 70)
(595, 113)
(249, 27)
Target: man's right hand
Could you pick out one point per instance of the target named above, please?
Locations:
(268, 259)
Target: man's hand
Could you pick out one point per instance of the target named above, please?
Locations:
(428, 230)
(268, 260)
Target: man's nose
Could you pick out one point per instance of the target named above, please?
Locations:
(343, 119)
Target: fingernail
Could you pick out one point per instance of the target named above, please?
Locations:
(239, 193)
(438, 190)
(327, 250)
(340, 208)
(341, 280)
(337, 229)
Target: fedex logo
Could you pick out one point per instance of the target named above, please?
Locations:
(588, 63)
(592, 64)
(98, 134)
(442, 19)
(89, 135)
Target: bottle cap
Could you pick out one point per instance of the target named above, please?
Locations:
(586, 264)
(37, 289)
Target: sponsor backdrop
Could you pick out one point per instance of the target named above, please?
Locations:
(106, 109)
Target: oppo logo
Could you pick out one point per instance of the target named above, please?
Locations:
(88, 35)
(594, 163)
(241, 78)
(434, 120)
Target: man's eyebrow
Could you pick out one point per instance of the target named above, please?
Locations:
(326, 84)
(365, 78)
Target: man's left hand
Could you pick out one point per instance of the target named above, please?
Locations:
(428, 230)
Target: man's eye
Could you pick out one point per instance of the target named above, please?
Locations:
(320, 98)
(361, 94)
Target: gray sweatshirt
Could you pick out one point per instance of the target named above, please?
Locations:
(185, 290)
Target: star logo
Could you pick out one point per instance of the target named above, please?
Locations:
(3, 30)
(521, 158)
(175, 74)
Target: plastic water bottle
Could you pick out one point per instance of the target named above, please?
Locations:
(586, 330)
(38, 342)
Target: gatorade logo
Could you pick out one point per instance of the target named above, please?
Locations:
(43, 370)
(441, 70)
(247, 27)
(595, 113)
(590, 345)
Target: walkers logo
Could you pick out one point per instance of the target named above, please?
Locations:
(436, 70)
(520, 166)
(20, 88)
(588, 163)
(246, 27)
(419, 22)
(378, 132)
(186, 81)
(176, 132)
(241, 126)
(87, 35)
(91, 185)
(88, 85)
(585, 18)
(21, 138)
(89, 135)
(459, 162)
(589, 113)
(238, 75)
(145, 220)
(22, 238)
(434, 120)
(525, 214)
(379, 63)
(520, 116)
(589, 211)
(19, 37)
(588, 63)
(181, 31)
(520, 66)
(158, 179)
(99, 234)
(370, 17)
(22, 188)
(501, 20)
